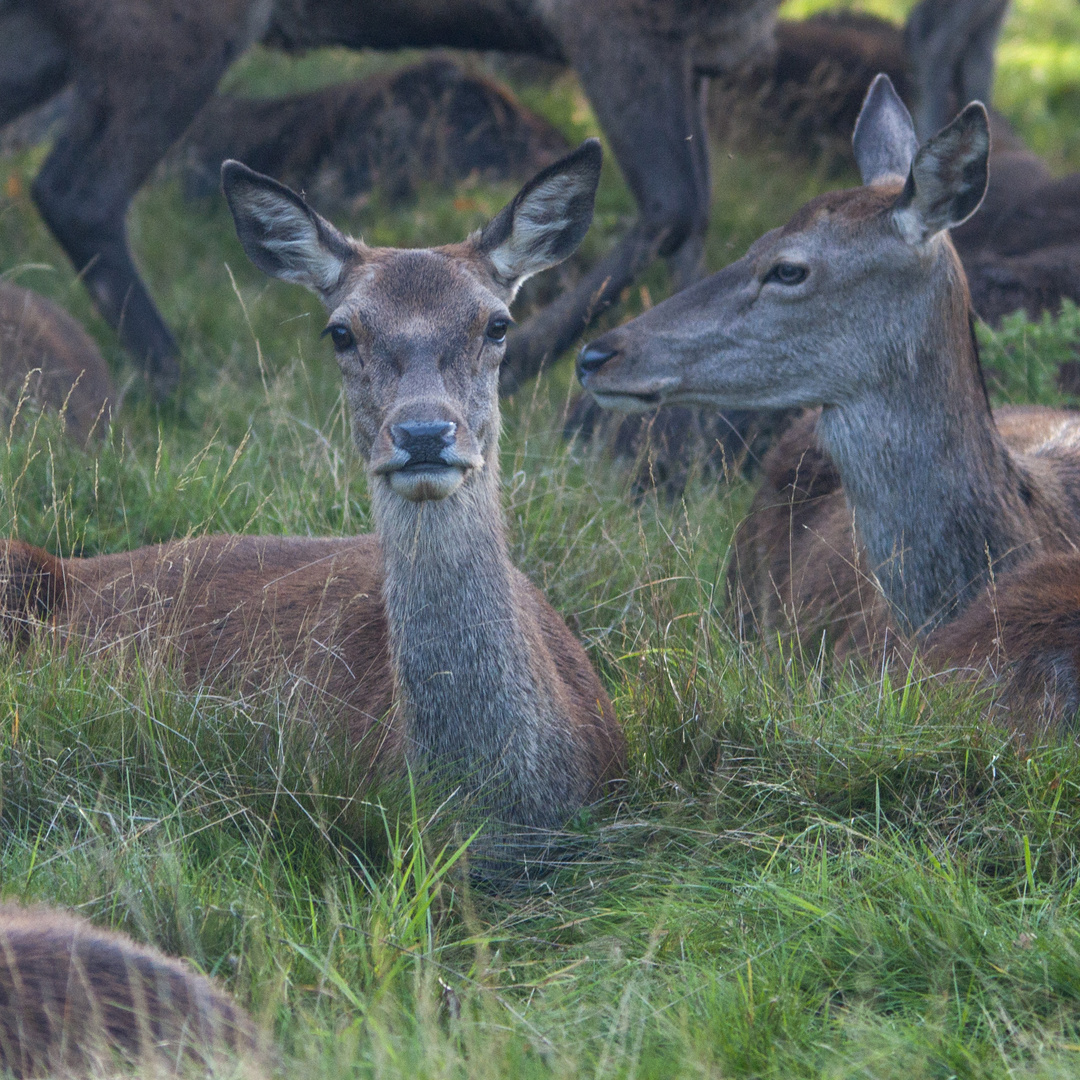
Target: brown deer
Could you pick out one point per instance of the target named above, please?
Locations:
(141, 71)
(74, 999)
(424, 640)
(903, 502)
(48, 360)
(430, 122)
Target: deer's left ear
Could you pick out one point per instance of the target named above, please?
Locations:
(947, 179)
(547, 219)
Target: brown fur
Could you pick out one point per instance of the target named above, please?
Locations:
(797, 567)
(74, 998)
(1025, 633)
(806, 100)
(248, 609)
(423, 641)
(917, 498)
(142, 69)
(428, 123)
(50, 361)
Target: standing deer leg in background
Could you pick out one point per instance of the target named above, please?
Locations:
(655, 126)
(33, 63)
(124, 117)
(950, 44)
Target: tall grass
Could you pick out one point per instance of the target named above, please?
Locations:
(811, 874)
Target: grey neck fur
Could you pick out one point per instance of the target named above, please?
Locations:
(469, 680)
(935, 493)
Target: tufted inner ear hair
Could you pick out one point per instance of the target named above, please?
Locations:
(948, 178)
(281, 234)
(546, 220)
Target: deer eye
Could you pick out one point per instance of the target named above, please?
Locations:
(786, 273)
(496, 329)
(341, 336)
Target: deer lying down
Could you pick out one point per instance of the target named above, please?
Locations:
(904, 503)
(77, 1001)
(47, 358)
(423, 639)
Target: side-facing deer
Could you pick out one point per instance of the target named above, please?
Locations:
(903, 501)
(74, 999)
(423, 638)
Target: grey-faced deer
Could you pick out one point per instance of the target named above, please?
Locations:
(74, 999)
(142, 71)
(424, 639)
(903, 486)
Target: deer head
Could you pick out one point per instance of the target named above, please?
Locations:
(419, 334)
(827, 310)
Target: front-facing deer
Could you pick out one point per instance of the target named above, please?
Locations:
(858, 307)
(424, 639)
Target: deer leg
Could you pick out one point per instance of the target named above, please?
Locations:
(975, 78)
(950, 44)
(129, 107)
(33, 62)
(687, 264)
(654, 122)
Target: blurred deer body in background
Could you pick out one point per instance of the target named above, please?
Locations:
(423, 639)
(73, 998)
(141, 71)
(47, 358)
(917, 502)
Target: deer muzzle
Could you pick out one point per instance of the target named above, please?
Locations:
(426, 459)
(602, 368)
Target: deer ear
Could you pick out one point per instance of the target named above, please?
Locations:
(547, 219)
(884, 139)
(281, 234)
(947, 179)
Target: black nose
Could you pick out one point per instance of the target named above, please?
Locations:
(424, 441)
(592, 358)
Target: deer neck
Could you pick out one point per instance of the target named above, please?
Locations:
(471, 683)
(937, 498)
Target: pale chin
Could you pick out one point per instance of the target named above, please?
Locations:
(627, 403)
(426, 485)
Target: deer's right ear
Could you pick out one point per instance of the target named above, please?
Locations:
(281, 234)
(884, 139)
(947, 179)
(548, 218)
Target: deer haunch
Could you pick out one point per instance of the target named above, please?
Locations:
(426, 123)
(73, 997)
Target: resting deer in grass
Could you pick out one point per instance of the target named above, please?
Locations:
(427, 642)
(74, 999)
(47, 358)
(902, 502)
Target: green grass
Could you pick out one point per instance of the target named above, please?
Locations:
(812, 875)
